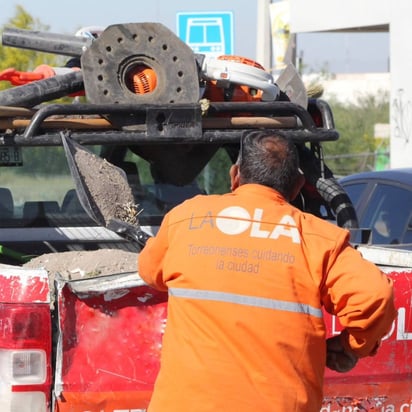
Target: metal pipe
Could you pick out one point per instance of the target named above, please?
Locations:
(67, 45)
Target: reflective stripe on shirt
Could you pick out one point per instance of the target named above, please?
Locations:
(246, 300)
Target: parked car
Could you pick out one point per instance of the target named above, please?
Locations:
(383, 202)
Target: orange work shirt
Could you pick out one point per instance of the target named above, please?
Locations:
(247, 276)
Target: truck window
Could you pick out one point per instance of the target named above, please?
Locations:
(355, 191)
(41, 191)
(37, 187)
(389, 219)
(157, 198)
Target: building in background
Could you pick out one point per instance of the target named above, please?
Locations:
(370, 15)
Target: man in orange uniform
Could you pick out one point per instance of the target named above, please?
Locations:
(247, 275)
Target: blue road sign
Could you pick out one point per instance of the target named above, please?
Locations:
(209, 33)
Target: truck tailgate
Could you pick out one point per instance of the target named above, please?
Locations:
(108, 350)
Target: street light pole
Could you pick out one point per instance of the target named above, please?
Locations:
(264, 35)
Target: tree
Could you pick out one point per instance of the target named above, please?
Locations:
(356, 147)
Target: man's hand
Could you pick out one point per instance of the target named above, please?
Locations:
(337, 358)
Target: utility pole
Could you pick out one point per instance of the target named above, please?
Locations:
(264, 35)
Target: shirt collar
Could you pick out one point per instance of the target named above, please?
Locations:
(260, 191)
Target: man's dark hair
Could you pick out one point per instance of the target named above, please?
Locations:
(270, 159)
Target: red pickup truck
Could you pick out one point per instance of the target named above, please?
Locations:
(107, 331)
(79, 330)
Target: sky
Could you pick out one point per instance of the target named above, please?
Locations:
(330, 52)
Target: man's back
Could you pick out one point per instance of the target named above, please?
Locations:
(248, 276)
(245, 329)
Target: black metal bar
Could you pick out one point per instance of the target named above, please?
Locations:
(99, 109)
(67, 45)
(34, 135)
(34, 93)
(140, 137)
(273, 108)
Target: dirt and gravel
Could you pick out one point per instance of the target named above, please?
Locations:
(85, 264)
(109, 190)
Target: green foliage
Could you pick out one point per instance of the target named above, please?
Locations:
(356, 147)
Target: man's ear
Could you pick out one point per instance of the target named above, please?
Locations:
(298, 186)
(234, 177)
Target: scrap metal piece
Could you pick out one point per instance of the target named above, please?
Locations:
(139, 52)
